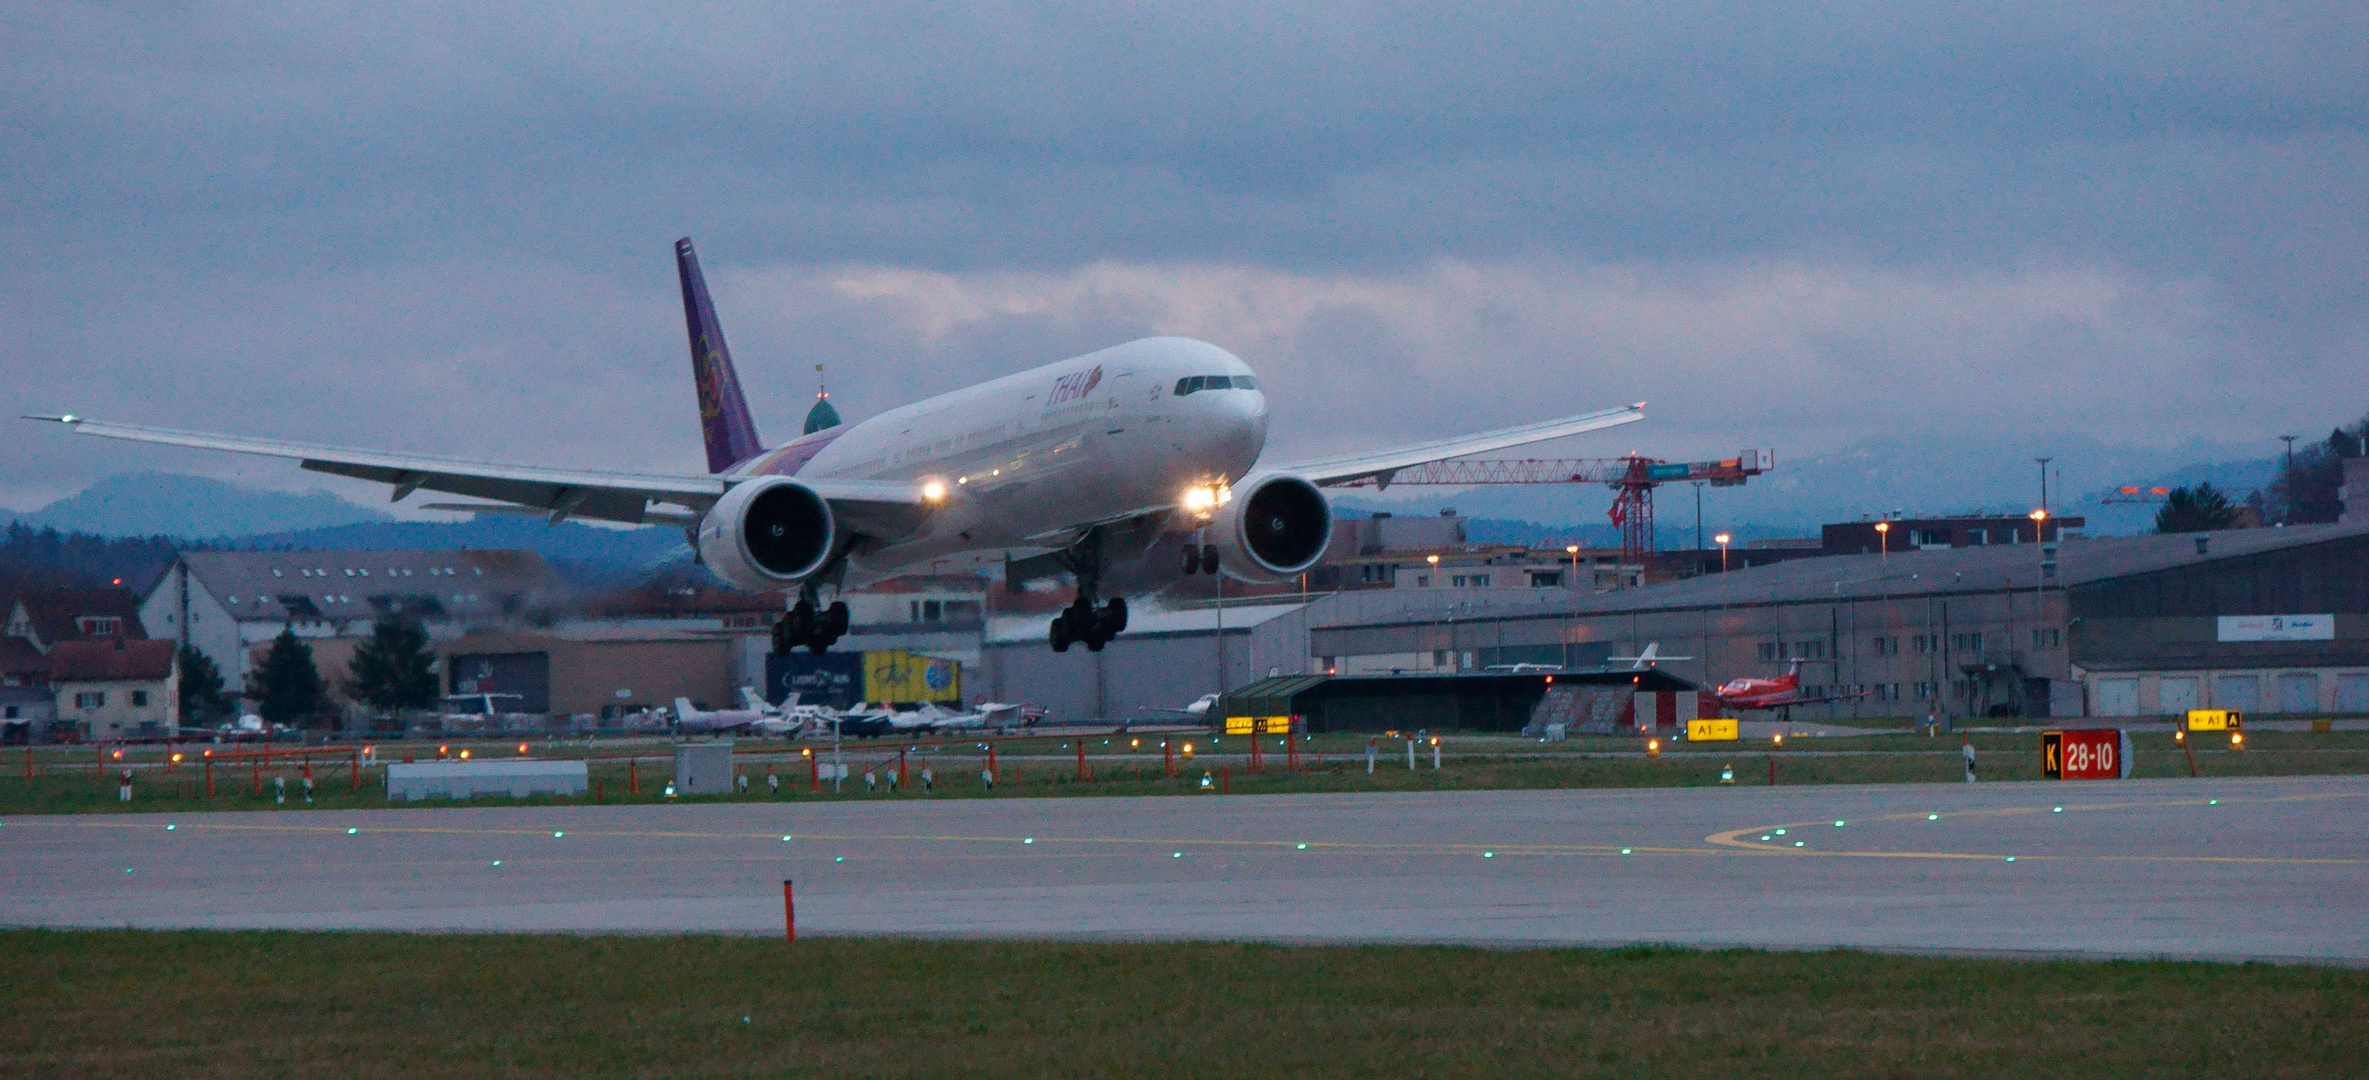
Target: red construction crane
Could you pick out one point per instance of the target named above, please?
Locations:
(2134, 494)
(1633, 477)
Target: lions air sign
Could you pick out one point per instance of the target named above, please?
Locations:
(2277, 627)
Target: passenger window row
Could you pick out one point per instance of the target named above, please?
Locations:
(1196, 383)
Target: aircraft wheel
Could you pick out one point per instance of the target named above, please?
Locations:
(1192, 559)
(834, 622)
(1060, 633)
(1095, 644)
(1114, 618)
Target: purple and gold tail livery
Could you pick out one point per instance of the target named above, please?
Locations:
(723, 413)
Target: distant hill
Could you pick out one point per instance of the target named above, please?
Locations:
(1876, 476)
(590, 556)
(192, 507)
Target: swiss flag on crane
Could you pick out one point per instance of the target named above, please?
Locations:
(1619, 512)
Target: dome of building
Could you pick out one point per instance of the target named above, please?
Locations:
(822, 415)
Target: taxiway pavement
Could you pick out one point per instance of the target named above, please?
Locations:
(2258, 868)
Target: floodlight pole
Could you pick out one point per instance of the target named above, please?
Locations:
(2287, 514)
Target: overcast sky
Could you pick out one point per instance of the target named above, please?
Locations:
(1798, 226)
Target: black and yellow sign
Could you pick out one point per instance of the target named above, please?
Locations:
(2215, 719)
(1723, 729)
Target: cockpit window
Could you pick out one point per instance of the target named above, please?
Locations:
(1194, 384)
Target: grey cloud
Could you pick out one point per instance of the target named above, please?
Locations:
(447, 224)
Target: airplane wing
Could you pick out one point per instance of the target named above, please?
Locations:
(1382, 464)
(528, 489)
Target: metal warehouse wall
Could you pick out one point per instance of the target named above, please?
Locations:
(2168, 619)
(1725, 643)
(1129, 677)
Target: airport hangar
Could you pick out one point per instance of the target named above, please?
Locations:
(2268, 621)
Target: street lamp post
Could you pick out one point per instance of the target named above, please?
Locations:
(1573, 551)
(1883, 539)
(1721, 540)
(2287, 512)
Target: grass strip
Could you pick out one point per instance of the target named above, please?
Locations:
(279, 1004)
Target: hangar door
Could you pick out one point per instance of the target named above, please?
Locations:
(2118, 697)
(2175, 695)
(526, 674)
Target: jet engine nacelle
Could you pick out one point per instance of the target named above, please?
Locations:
(1276, 526)
(767, 533)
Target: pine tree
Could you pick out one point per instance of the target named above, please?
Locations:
(2198, 509)
(201, 687)
(394, 669)
(287, 687)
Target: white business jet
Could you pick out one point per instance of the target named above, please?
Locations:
(1123, 467)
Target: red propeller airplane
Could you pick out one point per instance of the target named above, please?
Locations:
(1780, 693)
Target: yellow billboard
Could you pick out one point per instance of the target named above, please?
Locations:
(1720, 730)
(1240, 725)
(904, 677)
(2215, 719)
(1275, 725)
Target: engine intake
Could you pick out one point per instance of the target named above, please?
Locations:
(767, 533)
(1275, 527)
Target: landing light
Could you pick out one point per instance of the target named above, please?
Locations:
(933, 490)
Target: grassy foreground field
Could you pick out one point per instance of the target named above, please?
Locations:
(141, 1004)
(68, 781)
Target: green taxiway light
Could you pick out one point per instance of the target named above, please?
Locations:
(2011, 858)
(841, 858)
(1624, 851)
(2212, 802)
(170, 828)
(497, 862)
(1764, 836)
(1303, 847)
(785, 838)
(350, 830)
(1176, 854)
(556, 834)
(1488, 854)
(2058, 810)
(1838, 823)
(1797, 843)
(1933, 817)
(1780, 832)
(1029, 840)
(127, 869)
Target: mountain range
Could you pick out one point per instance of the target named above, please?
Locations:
(1792, 500)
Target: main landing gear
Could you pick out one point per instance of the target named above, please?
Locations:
(1086, 622)
(806, 624)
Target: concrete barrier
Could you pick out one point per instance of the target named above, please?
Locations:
(467, 779)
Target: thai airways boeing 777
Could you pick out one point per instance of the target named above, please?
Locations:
(1121, 467)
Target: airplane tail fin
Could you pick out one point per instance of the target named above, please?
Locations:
(724, 421)
(683, 709)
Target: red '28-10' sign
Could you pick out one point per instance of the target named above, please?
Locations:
(2093, 754)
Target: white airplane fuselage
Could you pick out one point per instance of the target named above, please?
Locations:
(1089, 439)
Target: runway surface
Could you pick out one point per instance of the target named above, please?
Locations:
(2272, 868)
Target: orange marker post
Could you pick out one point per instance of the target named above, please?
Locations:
(789, 910)
(1081, 760)
(1256, 764)
(993, 774)
(1225, 777)
(905, 780)
(1167, 759)
(633, 776)
(814, 773)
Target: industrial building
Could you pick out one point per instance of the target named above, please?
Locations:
(2264, 620)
